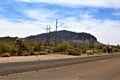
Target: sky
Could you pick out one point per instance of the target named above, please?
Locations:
(23, 18)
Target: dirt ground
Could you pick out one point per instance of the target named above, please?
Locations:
(33, 58)
(39, 57)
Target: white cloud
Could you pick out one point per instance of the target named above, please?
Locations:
(106, 31)
(40, 14)
(8, 28)
(93, 3)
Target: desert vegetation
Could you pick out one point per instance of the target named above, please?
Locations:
(22, 47)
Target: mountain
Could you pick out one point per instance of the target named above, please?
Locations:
(8, 38)
(63, 35)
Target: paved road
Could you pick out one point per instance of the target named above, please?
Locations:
(17, 67)
(107, 69)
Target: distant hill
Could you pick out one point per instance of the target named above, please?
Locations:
(63, 35)
(8, 38)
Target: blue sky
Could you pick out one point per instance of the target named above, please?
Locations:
(22, 18)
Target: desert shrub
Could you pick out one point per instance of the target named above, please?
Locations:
(43, 53)
(48, 51)
(13, 51)
(74, 51)
(83, 46)
(62, 47)
(33, 53)
(115, 50)
(107, 49)
(39, 53)
(5, 55)
(37, 46)
(89, 52)
(99, 46)
(24, 53)
(21, 46)
(4, 48)
(83, 51)
(95, 51)
(104, 49)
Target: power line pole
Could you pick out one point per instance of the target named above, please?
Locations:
(56, 32)
(48, 34)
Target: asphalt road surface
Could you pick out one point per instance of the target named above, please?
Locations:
(102, 69)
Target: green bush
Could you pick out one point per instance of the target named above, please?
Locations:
(74, 51)
(13, 51)
(37, 46)
(62, 47)
(4, 48)
(21, 47)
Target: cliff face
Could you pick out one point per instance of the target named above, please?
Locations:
(63, 35)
